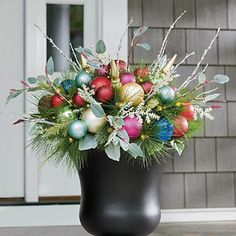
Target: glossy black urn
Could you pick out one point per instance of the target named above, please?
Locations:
(119, 198)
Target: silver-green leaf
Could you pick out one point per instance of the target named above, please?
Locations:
(135, 150)
(100, 47)
(178, 146)
(146, 46)
(113, 151)
(88, 142)
(50, 66)
(211, 97)
(221, 79)
(140, 31)
(201, 78)
(32, 80)
(97, 110)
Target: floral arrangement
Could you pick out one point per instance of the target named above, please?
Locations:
(107, 104)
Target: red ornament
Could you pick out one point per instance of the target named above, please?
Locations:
(121, 65)
(56, 100)
(180, 127)
(78, 100)
(147, 86)
(99, 82)
(188, 111)
(104, 94)
(141, 72)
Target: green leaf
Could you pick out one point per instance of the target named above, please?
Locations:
(32, 80)
(124, 145)
(56, 82)
(14, 94)
(119, 121)
(201, 78)
(113, 151)
(88, 142)
(41, 78)
(123, 135)
(100, 47)
(178, 145)
(135, 150)
(85, 51)
(94, 64)
(211, 97)
(146, 46)
(221, 79)
(140, 31)
(50, 66)
(97, 110)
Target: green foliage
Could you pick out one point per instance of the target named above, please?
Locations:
(100, 47)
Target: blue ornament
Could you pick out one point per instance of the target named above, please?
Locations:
(77, 129)
(166, 94)
(165, 129)
(83, 78)
(68, 86)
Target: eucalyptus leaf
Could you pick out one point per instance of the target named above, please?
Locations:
(88, 142)
(221, 79)
(163, 61)
(14, 94)
(32, 80)
(56, 82)
(50, 66)
(135, 150)
(94, 64)
(140, 31)
(178, 145)
(113, 151)
(146, 46)
(100, 47)
(211, 97)
(119, 121)
(124, 145)
(123, 135)
(97, 110)
(85, 51)
(201, 78)
(41, 78)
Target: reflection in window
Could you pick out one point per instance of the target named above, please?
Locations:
(64, 26)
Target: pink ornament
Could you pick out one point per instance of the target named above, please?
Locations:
(102, 71)
(126, 77)
(132, 126)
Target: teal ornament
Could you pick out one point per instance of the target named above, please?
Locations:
(65, 114)
(68, 86)
(166, 94)
(83, 78)
(165, 130)
(77, 129)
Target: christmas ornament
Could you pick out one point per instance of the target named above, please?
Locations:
(104, 94)
(147, 86)
(188, 111)
(120, 64)
(141, 72)
(68, 86)
(78, 100)
(131, 92)
(132, 126)
(126, 77)
(56, 100)
(44, 103)
(99, 82)
(102, 71)
(165, 129)
(83, 78)
(77, 129)
(180, 127)
(166, 94)
(169, 65)
(93, 123)
(65, 114)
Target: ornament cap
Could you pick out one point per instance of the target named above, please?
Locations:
(169, 65)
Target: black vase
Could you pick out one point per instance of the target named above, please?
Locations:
(119, 198)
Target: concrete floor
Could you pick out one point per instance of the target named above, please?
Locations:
(198, 229)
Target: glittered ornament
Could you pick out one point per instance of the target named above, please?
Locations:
(188, 111)
(180, 127)
(126, 77)
(104, 94)
(78, 100)
(68, 86)
(102, 71)
(44, 103)
(166, 94)
(56, 100)
(77, 129)
(147, 86)
(83, 78)
(165, 129)
(93, 123)
(99, 82)
(132, 126)
(131, 92)
(141, 72)
(65, 114)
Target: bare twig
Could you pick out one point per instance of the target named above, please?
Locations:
(182, 61)
(75, 56)
(195, 72)
(122, 38)
(35, 120)
(58, 49)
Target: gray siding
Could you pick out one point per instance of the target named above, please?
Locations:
(205, 175)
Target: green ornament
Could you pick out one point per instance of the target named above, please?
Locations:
(83, 78)
(65, 114)
(68, 86)
(77, 129)
(166, 94)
